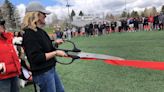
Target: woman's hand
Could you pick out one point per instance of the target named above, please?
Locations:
(59, 41)
(60, 53)
(2, 68)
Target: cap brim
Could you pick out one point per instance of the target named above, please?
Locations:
(45, 11)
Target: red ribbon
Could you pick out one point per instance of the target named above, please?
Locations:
(134, 63)
(137, 64)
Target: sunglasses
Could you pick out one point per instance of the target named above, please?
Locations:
(43, 13)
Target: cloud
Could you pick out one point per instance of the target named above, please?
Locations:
(21, 10)
(112, 6)
(96, 6)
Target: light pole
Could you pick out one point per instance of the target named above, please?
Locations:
(125, 5)
(125, 9)
(68, 5)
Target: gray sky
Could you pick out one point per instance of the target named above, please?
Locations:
(96, 6)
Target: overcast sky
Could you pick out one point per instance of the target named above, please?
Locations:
(90, 6)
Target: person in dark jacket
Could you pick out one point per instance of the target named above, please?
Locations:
(156, 22)
(9, 62)
(39, 49)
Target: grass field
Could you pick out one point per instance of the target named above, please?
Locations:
(96, 76)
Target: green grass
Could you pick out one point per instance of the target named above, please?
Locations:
(49, 30)
(96, 76)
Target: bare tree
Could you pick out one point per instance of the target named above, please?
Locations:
(146, 12)
(8, 13)
(162, 9)
(54, 19)
(134, 14)
(107, 17)
(153, 11)
(111, 17)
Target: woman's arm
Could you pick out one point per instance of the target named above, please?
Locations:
(55, 53)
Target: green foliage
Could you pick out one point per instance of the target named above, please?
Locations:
(97, 76)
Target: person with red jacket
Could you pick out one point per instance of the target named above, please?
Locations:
(9, 62)
(151, 21)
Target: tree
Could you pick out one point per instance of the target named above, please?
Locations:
(153, 11)
(72, 15)
(162, 9)
(146, 12)
(111, 17)
(134, 14)
(81, 13)
(54, 19)
(142, 14)
(128, 15)
(107, 17)
(17, 19)
(8, 13)
(124, 14)
(1, 17)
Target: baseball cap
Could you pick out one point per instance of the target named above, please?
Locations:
(36, 7)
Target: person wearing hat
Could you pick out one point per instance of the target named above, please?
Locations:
(9, 62)
(39, 49)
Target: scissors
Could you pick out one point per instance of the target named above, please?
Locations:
(76, 53)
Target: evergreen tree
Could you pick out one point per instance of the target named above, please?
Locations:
(124, 14)
(81, 13)
(72, 15)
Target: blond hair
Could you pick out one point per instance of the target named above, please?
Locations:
(30, 20)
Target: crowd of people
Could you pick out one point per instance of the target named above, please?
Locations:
(150, 23)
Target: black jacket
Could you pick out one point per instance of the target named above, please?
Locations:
(36, 44)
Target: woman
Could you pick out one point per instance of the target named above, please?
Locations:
(39, 49)
(9, 62)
